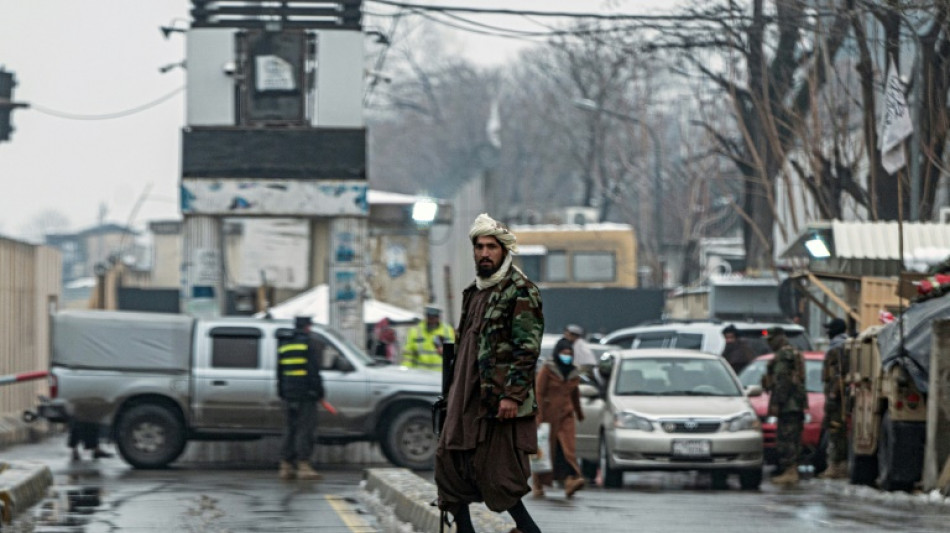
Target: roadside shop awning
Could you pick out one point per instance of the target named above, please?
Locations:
(869, 248)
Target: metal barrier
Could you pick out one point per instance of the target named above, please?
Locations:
(23, 376)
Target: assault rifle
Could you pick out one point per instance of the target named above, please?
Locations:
(442, 403)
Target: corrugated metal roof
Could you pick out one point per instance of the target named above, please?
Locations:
(879, 240)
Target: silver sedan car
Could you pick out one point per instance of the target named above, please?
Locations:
(667, 409)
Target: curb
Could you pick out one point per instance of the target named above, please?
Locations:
(22, 485)
(410, 496)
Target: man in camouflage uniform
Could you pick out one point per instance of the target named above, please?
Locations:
(833, 372)
(490, 426)
(785, 381)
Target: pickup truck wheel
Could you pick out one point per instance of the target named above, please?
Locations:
(862, 469)
(887, 456)
(408, 440)
(149, 436)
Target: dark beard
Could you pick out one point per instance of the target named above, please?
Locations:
(485, 271)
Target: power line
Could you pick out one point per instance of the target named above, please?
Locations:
(498, 11)
(468, 25)
(518, 12)
(107, 116)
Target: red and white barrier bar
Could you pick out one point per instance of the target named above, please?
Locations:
(23, 376)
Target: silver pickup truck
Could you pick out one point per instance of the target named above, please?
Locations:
(159, 380)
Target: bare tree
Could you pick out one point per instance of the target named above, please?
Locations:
(764, 56)
(43, 223)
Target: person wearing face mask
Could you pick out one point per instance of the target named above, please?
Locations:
(559, 401)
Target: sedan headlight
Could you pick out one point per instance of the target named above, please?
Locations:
(628, 420)
(746, 420)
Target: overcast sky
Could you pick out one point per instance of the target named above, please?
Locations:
(99, 58)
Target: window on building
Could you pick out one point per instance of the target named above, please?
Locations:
(594, 266)
(555, 267)
(531, 266)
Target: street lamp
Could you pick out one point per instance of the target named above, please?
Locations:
(817, 248)
(424, 211)
(589, 105)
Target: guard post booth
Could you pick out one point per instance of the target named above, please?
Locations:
(274, 128)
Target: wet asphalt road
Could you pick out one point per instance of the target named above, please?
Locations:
(107, 495)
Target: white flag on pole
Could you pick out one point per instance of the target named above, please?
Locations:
(896, 125)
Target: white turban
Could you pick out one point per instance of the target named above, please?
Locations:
(486, 225)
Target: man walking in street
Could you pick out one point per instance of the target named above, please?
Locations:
(490, 427)
(583, 356)
(300, 387)
(834, 369)
(736, 352)
(784, 379)
(424, 341)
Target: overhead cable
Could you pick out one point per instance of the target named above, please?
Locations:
(107, 116)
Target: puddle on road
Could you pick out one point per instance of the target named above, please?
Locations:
(66, 510)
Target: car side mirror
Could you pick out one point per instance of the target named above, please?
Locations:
(588, 391)
(753, 390)
(341, 364)
(605, 366)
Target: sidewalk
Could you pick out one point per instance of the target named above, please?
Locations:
(22, 483)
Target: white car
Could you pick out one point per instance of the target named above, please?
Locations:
(705, 336)
(668, 409)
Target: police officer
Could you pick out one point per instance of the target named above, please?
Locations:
(784, 379)
(300, 387)
(424, 341)
(834, 368)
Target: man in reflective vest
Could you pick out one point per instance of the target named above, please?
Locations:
(424, 341)
(300, 387)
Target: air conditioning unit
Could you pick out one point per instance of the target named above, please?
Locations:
(581, 215)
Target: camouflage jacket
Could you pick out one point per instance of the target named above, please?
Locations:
(835, 366)
(785, 380)
(509, 343)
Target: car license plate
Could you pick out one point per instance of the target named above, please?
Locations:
(695, 448)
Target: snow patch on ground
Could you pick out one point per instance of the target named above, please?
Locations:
(387, 520)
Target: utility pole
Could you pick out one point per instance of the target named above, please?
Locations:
(7, 105)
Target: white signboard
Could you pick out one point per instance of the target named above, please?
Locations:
(273, 73)
(243, 197)
(275, 251)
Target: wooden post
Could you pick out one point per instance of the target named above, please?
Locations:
(937, 445)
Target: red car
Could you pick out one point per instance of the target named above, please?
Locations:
(813, 448)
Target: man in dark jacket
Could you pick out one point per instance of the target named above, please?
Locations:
(300, 387)
(736, 352)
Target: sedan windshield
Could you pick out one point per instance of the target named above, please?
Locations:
(666, 376)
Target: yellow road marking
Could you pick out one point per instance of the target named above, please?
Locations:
(349, 517)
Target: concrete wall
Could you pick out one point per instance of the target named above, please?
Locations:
(30, 285)
(398, 267)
